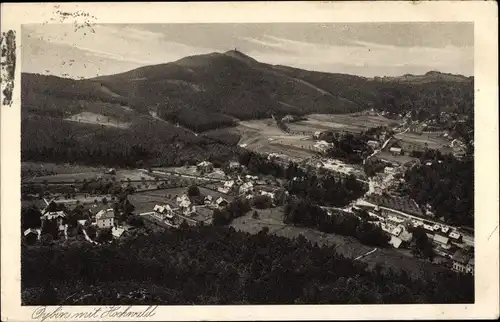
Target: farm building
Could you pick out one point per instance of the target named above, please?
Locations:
(470, 266)
(105, 218)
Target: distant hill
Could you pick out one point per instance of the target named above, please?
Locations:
(431, 76)
(213, 91)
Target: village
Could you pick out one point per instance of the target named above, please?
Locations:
(168, 198)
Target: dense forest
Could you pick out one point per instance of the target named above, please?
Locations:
(147, 142)
(218, 265)
(305, 213)
(447, 186)
(327, 190)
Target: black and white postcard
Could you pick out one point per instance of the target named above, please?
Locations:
(215, 161)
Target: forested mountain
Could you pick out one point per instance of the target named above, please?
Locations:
(201, 93)
(218, 265)
(224, 87)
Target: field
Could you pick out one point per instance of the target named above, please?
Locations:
(343, 122)
(94, 118)
(347, 246)
(265, 136)
(145, 201)
(433, 141)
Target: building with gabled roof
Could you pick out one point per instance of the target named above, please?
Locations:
(460, 260)
(105, 218)
(221, 202)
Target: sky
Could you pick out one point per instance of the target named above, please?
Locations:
(365, 49)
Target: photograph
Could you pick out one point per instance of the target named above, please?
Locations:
(172, 165)
(280, 163)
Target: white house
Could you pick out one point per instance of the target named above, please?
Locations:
(164, 211)
(388, 170)
(373, 144)
(105, 218)
(269, 194)
(395, 151)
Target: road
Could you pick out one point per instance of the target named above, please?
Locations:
(364, 255)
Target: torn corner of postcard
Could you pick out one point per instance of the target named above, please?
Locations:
(8, 66)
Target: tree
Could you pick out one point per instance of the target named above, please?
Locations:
(104, 201)
(255, 215)
(262, 202)
(193, 191)
(422, 244)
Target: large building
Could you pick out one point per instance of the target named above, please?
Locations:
(105, 218)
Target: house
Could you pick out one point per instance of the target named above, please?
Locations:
(396, 151)
(239, 181)
(228, 186)
(163, 211)
(470, 266)
(188, 211)
(455, 236)
(441, 241)
(249, 177)
(436, 227)
(405, 236)
(217, 174)
(445, 229)
(117, 232)
(460, 261)
(36, 232)
(105, 218)
(221, 202)
(269, 194)
(392, 222)
(428, 227)
(183, 201)
(234, 165)
(53, 215)
(247, 187)
(110, 171)
(82, 222)
(208, 200)
(388, 170)
(205, 166)
(395, 242)
(396, 231)
(373, 144)
(316, 135)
